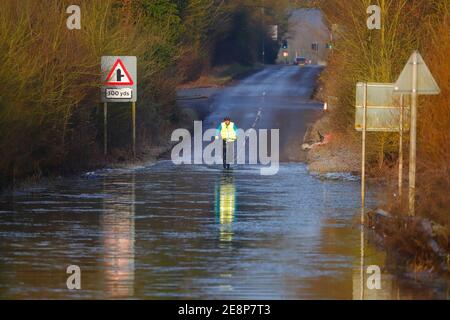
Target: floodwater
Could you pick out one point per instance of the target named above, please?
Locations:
(193, 231)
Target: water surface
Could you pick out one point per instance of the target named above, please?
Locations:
(166, 231)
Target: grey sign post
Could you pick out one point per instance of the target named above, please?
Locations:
(414, 80)
(400, 150)
(363, 89)
(119, 84)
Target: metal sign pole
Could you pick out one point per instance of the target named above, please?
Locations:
(400, 153)
(363, 162)
(133, 120)
(413, 132)
(105, 128)
(363, 187)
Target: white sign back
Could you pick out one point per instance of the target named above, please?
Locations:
(426, 84)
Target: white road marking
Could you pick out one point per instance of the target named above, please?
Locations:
(258, 116)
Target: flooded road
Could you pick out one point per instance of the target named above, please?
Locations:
(194, 231)
(168, 231)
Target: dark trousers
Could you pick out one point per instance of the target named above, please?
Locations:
(226, 162)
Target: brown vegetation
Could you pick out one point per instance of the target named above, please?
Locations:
(50, 78)
(379, 56)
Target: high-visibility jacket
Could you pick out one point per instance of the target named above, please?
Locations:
(227, 132)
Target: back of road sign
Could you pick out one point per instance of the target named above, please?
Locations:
(426, 85)
(383, 108)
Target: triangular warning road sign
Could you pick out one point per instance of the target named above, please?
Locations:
(119, 76)
(426, 85)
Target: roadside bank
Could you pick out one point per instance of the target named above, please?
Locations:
(330, 150)
(418, 243)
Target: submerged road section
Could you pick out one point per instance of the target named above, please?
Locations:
(193, 231)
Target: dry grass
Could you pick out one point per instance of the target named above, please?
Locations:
(434, 125)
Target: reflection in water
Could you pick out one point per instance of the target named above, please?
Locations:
(117, 224)
(390, 289)
(225, 206)
(361, 271)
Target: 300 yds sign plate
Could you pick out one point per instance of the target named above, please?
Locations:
(118, 93)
